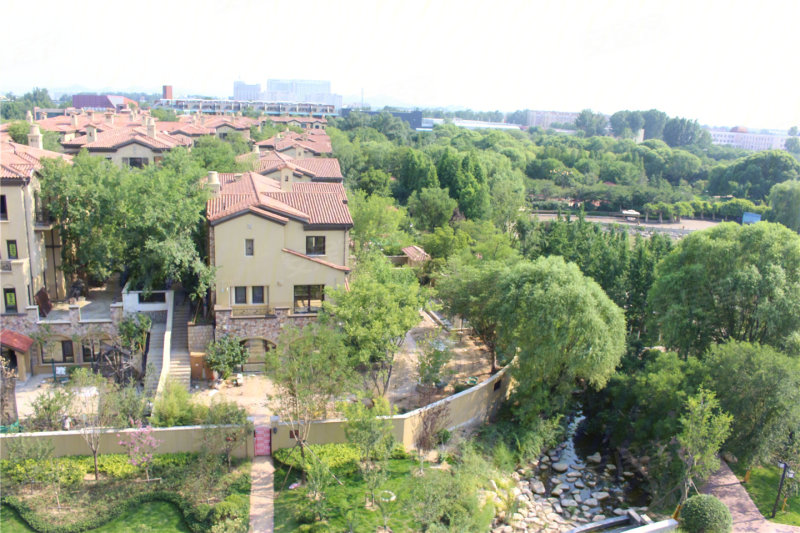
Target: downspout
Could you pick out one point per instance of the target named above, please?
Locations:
(28, 238)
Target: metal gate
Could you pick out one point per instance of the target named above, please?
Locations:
(263, 444)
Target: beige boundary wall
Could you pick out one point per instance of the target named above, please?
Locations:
(173, 440)
(470, 407)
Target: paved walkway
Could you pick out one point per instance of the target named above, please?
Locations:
(262, 496)
(746, 516)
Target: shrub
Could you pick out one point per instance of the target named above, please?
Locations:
(442, 436)
(175, 408)
(341, 459)
(399, 452)
(116, 466)
(49, 409)
(225, 355)
(305, 516)
(705, 514)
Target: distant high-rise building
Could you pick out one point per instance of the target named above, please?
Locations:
(544, 119)
(166, 92)
(246, 91)
(306, 91)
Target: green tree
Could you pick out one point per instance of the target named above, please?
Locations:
(376, 220)
(793, 131)
(681, 132)
(591, 123)
(225, 354)
(213, 153)
(654, 122)
(784, 204)
(309, 369)
(705, 428)
(374, 181)
(165, 115)
(417, 172)
(793, 145)
(227, 428)
(431, 208)
(760, 388)
(729, 282)
(19, 131)
(508, 199)
(84, 198)
(380, 307)
(370, 430)
(579, 333)
(753, 176)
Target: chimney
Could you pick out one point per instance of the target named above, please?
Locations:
(109, 118)
(93, 116)
(91, 133)
(35, 137)
(213, 182)
(145, 118)
(255, 148)
(29, 116)
(74, 121)
(286, 179)
(151, 128)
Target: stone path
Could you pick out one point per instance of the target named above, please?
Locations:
(746, 516)
(262, 496)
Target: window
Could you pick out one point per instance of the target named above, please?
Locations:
(3, 207)
(240, 295)
(248, 247)
(135, 162)
(91, 351)
(308, 298)
(257, 295)
(315, 245)
(10, 299)
(58, 352)
(12, 249)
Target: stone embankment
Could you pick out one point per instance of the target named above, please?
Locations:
(558, 495)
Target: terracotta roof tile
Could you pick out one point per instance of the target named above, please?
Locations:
(122, 136)
(20, 161)
(16, 341)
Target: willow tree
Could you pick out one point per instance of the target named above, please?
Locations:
(564, 330)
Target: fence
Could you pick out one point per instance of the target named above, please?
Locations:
(472, 406)
(173, 440)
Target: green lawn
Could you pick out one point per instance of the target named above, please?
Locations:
(153, 517)
(400, 482)
(763, 488)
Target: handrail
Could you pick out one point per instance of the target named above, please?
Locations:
(165, 357)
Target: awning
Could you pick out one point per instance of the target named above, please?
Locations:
(15, 341)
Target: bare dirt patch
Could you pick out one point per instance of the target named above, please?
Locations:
(251, 395)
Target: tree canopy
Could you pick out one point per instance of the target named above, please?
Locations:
(730, 282)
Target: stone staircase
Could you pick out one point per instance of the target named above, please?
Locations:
(180, 369)
(155, 357)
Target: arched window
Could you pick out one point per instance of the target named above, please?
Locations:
(257, 350)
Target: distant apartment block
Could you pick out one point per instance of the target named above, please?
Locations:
(246, 91)
(200, 105)
(289, 91)
(748, 141)
(544, 119)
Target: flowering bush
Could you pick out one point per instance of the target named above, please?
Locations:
(141, 444)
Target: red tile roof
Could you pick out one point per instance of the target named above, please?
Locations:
(300, 120)
(119, 137)
(311, 203)
(20, 161)
(317, 143)
(186, 128)
(313, 167)
(416, 253)
(15, 341)
(217, 121)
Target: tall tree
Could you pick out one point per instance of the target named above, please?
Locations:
(562, 328)
(310, 369)
(753, 176)
(681, 132)
(760, 388)
(380, 307)
(730, 282)
(417, 172)
(431, 208)
(654, 122)
(376, 220)
(591, 123)
(784, 204)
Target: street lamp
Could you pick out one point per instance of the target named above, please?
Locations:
(786, 473)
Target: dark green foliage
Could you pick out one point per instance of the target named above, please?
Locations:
(431, 208)
(165, 115)
(174, 407)
(704, 513)
(753, 176)
(730, 282)
(15, 108)
(226, 354)
(682, 132)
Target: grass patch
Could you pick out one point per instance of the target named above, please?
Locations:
(400, 482)
(10, 522)
(152, 517)
(763, 488)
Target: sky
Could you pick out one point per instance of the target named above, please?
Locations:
(724, 63)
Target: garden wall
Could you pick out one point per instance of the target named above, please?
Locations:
(199, 337)
(173, 440)
(472, 406)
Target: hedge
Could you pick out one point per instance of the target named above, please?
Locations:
(705, 514)
(199, 518)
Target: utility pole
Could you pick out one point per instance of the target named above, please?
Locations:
(780, 488)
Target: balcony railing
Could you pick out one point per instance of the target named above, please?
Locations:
(253, 310)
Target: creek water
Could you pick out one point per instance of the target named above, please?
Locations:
(585, 477)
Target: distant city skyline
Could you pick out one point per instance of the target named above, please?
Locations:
(724, 64)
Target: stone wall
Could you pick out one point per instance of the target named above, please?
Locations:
(199, 336)
(261, 327)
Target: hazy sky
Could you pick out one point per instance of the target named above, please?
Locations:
(723, 63)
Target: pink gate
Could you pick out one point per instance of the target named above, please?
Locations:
(263, 440)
